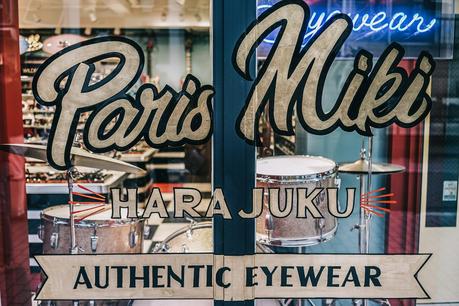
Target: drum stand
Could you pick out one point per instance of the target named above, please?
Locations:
(364, 216)
(363, 226)
(71, 173)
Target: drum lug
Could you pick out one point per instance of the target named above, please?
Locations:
(269, 226)
(161, 247)
(338, 182)
(54, 240)
(40, 231)
(146, 231)
(94, 241)
(133, 237)
(185, 248)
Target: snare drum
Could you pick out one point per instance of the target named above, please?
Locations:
(97, 233)
(295, 172)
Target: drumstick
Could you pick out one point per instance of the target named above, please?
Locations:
(91, 214)
(89, 190)
(79, 211)
(83, 203)
(87, 196)
(373, 191)
(382, 202)
(373, 212)
(378, 196)
(376, 207)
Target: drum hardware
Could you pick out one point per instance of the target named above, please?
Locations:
(54, 240)
(269, 226)
(40, 230)
(146, 231)
(79, 157)
(71, 174)
(133, 237)
(94, 239)
(365, 167)
(383, 302)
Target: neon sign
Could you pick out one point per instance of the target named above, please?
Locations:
(368, 23)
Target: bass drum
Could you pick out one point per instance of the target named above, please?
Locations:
(194, 238)
(198, 238)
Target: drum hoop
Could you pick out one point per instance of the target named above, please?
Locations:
(309, 241)
(268, 178)
(192, 226)
(88, 223)
(200, 225)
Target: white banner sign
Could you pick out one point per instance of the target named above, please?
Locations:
(208, 276)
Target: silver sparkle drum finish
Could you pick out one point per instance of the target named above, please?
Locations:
(95, 234)
(295, 172)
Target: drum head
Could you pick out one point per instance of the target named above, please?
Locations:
(91, 212)
(297, 167)
(195, 238)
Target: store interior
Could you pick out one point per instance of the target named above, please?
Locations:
(175, 36)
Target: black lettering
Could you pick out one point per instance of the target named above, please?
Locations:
(372, 277)
(196, 273)
(156, 276)
(219, 277)
(133, 277)
(97, 276)
(171, 275)
(285, 276)
(351, 276)
(82, 273)
(310, 276)
(269, 275)
(331, 276)
(119, 275)
(249, 276)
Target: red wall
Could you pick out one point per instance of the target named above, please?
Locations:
(14, 248)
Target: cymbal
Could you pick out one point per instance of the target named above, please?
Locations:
(56, 43)
(79, 157)
(361, 167)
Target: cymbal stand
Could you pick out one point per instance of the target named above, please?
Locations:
(74, 249)
(71, 173)
(364, 217)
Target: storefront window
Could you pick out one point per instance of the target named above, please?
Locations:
(174, 40)
(347, 136)
(410, 203)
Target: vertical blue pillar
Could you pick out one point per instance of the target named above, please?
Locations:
(233, 158)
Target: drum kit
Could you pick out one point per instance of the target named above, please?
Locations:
(90, 229)
(311, 172)
(64, 230)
